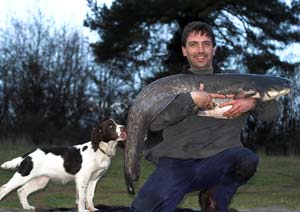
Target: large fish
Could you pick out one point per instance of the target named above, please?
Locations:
(157, 95)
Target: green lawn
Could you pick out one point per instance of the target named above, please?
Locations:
(276, 183)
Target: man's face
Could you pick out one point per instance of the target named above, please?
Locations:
(199, 51)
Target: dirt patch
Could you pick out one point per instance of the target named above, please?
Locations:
(106, 208)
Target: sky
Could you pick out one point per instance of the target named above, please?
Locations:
(62, 12)
(73, 12)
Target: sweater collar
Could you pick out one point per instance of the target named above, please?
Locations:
(208, 71)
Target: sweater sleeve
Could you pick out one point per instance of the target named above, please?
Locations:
(266, 111)
(181, 107)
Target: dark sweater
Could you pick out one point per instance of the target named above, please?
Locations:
(188, 136)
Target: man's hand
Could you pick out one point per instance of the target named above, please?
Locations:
(203, 99)
(239, 106)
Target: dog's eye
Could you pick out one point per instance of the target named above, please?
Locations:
(110, 126)
(100, 131)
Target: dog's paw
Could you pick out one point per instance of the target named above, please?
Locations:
(92, 209)
(83, 210)
(29, 207)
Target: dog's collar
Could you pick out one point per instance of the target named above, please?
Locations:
(104, 152)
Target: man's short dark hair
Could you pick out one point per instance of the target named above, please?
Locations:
(198, 27)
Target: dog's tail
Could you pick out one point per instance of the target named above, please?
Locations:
(12, 164)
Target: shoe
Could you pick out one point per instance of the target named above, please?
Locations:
(206, 201)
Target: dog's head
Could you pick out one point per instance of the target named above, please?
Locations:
(107, 131)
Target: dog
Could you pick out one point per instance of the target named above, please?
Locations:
(85, 164)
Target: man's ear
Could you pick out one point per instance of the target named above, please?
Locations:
(214, 50)
(183, 49)
(96, 137)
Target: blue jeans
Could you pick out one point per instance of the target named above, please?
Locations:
(173, 178)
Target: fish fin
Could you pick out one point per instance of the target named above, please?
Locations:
(129, 184)
(216, 112)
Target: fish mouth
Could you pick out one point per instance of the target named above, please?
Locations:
(276, 93)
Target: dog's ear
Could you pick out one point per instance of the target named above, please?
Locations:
(96, 137)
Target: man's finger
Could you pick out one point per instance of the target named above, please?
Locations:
(216, 95)
(229, 113)
(201, 87)
(227, 103)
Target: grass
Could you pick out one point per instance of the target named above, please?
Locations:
(276, 183)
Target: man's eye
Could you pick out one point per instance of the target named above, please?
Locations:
(208, 44)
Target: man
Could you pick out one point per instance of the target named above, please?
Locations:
(199, 153)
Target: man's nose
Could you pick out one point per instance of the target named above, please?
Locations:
(200, 48)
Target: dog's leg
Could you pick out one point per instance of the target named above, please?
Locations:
(16, 181)
(81, 190)
(90, 195)
(30, 187)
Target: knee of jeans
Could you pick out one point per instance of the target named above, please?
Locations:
(246, 164)
(147, 202)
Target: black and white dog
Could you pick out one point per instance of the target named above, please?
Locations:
(84, 163)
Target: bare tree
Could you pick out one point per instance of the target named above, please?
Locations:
(44, 77)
